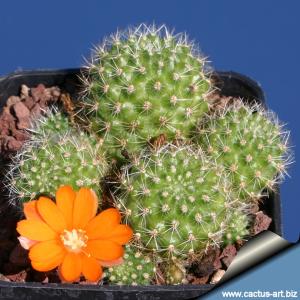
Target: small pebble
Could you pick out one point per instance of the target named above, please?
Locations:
(217, 276)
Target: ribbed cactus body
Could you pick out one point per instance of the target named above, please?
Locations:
(249, 145)
(137, 269)
(143, 84)
(178, 202)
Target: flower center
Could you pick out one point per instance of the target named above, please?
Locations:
(74, 240)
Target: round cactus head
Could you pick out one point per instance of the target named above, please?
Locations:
(44, 164)
(136, 269)
(143, 83)
(177, 201)
(52, 121)
(250, 144)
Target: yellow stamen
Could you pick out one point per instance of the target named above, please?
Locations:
(74, 240)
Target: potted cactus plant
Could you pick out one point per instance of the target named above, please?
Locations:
(177, 159)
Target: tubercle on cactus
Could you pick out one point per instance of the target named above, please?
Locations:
(251, 144)
(178, 201)
(142, 83)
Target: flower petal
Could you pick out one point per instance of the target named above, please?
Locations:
(71, 267)
(26, 243)
(46, 251)
(104, 250)
(122, 234)
(111, 263)
(36, 230)
(65, 197)
(51, 214)
(101, 226)
(47, 265)
(30, 211)
(91, 268)
(85, 207)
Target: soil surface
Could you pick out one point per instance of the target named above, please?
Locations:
(15, 118)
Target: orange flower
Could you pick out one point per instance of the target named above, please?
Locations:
(68, 234)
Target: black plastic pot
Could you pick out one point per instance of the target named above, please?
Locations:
(231, 84)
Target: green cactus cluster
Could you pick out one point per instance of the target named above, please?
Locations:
(56, 156)
(249, 144)
(192, 192)
(144, 83)
(137, 269)
(178, 201)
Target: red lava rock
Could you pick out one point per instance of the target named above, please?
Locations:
(21, 111)
(37, 92)
(254, 208)
(24, 91)
(12, 100)
(36, 110)
(261, 222)
(9, 143)
(207, 264)
(19, 256)
(3, 278)
(22, 114)
(217, 276)
(20, 135)
(7, 122)
(197, 280)
(29, 102)
(239, 244)
(18, 113)
(55, 92)
(18, 277)
(228, 255)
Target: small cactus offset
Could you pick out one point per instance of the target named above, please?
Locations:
(250, 144)
(53, 121)
(136, 269)
(52, 160)
(144, 83)
(177, 201)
